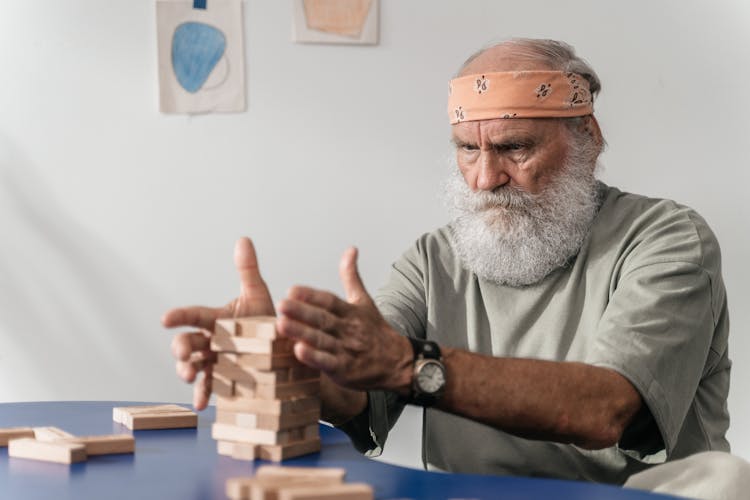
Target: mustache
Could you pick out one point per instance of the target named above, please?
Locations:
(504, 197)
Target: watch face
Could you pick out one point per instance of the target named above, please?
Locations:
(431, 378)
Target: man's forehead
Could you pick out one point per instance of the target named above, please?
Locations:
(468, 131)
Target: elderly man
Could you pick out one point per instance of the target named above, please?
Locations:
(556, 327)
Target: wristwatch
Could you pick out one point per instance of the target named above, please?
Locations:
(428, 377)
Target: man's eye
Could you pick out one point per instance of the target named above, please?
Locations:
(469, 147)
(510, 146)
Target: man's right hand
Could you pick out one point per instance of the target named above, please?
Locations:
(193, 349)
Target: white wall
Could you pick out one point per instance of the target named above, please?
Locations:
(110, 213)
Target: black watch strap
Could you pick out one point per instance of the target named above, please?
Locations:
(423, 350)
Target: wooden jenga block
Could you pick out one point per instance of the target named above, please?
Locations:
(245, 389)
(155, 417)
(262, 327)
(221, 385)
(311, 432)
(335, 474)
(145, 409)
(104, 445)
(221, 341)
(238, 451)
(279, 452)
(225, 326)
(288, 390)
(267, 487)
(347, 491)
(224, 448)
(226, 432)
(268, 406)
(247, 420)
(227, 365)
(262, 361)
(267, 421)
(15, 433)
(51, 434)
(48, 451)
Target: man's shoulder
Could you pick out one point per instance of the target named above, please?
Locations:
(659, 228)
(431, 249)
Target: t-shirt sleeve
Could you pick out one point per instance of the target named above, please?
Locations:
(656, 332)
(402, 303)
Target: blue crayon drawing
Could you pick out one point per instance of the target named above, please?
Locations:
(196, 49)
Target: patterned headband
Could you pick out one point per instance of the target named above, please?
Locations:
(518, 94)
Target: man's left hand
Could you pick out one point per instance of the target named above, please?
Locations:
(348, 340)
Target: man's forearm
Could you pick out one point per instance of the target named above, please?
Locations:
(555, 401)
(339, 405)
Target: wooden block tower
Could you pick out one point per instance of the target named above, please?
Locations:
(267, 402)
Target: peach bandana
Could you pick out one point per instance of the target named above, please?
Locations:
(518, 94)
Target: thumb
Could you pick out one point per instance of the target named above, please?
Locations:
(353, 286)
(247, 265)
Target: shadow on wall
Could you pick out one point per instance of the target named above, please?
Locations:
(75, 321)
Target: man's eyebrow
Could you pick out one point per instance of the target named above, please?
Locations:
(458, 142)
(520, 139)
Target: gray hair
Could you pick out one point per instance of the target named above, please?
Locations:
(552, 53)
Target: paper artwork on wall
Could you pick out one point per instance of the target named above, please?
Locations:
(201, 56)
(335, 21)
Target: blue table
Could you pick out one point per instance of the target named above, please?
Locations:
(183, 464)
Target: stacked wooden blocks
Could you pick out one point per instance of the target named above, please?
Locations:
(297, 483)
(267, 402)
(51, 444)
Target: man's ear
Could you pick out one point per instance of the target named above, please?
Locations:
(590, 126)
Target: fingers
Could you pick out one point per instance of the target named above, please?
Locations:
(321, 360)
(184, 344)
(197, 316)
(311, 336)
(246, 263)
(202, 390)
(353, 286)
(309, 314)
(325, 300)
(200, 360)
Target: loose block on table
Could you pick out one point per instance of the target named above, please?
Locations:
(257, 488)
(155, 417)
(50, 434)
(336, 474)
(348, 491)
(15, 433)
(105, 445)
(48, 451)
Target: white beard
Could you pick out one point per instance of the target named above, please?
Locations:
(511, 237)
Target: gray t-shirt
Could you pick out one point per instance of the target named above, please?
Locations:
(644, 297)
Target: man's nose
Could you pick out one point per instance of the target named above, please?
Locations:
(492, 171)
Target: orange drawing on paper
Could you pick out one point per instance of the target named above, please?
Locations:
(341, 17)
